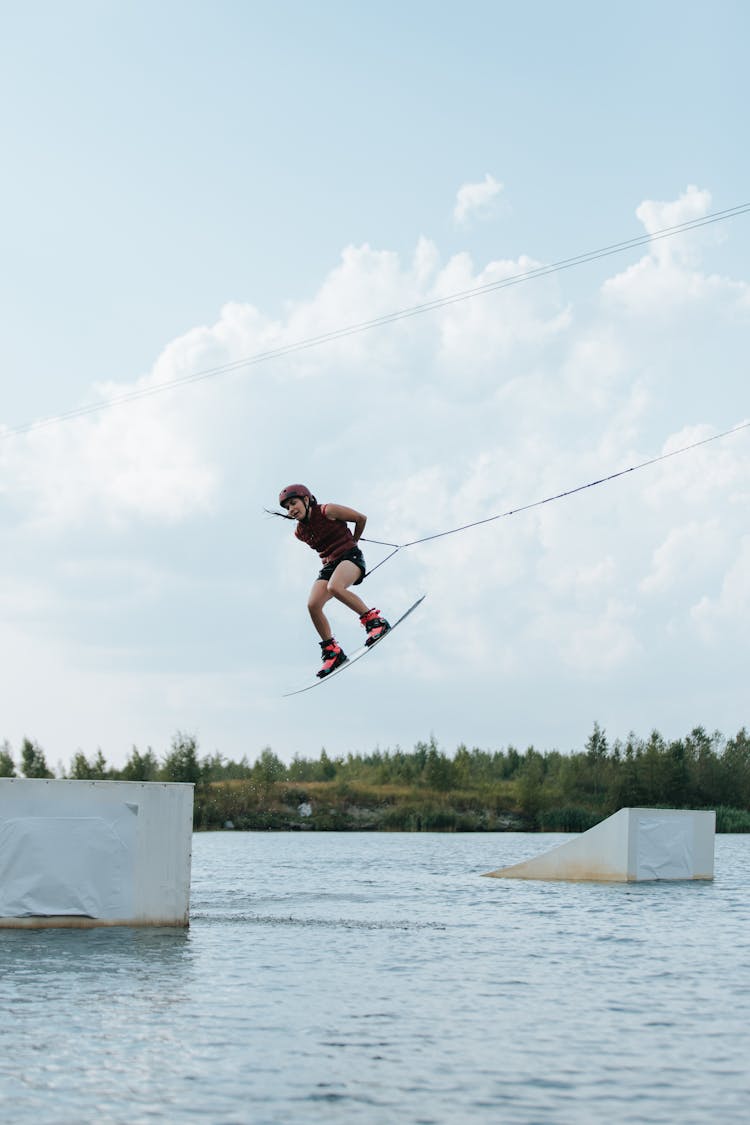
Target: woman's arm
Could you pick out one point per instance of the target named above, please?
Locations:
(347, 515)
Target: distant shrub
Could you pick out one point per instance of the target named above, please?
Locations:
(732, 820)
(571, 819)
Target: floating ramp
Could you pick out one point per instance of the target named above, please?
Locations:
(632, 846)
(94, 853)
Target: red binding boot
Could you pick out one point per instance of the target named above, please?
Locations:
(375, 625)
(333, 656)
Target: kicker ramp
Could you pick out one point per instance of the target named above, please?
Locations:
(632, 846)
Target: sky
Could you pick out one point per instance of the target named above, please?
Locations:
(188, 185)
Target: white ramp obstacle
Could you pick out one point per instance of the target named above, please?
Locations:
(94, 853)
(632, 846)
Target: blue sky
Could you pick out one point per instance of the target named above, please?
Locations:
(186, 182)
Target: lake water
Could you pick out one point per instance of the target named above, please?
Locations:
(357, 978)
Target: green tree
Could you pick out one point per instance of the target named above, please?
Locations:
(464, 766)
(651, 762)
(100, 771)
(238, 771)
(301, 769)
(512, 763)
(7, 765)
(219, 768)
(181, 763)
(706, 769)
(326, 769)
(438, 770)
(531, 784)
(676, 774)
(83, 770)
(268, 769)
(596, 745)
(597, 749)
(736, 767)
(80, 767)
(33, 761)
(140, 767)
(573, 777)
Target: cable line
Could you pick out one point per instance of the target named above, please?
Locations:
(548, 499)
(378, 321)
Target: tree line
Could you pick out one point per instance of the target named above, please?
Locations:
(180, 763)
(547, 790)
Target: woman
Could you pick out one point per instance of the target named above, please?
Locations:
(324, 527)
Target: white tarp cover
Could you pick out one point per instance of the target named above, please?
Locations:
(665, 848)
(69, 865)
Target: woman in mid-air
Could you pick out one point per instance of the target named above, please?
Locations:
(324, 527)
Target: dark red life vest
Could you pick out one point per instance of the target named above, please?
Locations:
(330, 538)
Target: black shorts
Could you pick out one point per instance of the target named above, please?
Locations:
(355, 556)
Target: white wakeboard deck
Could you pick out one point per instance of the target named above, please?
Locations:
(360, 652)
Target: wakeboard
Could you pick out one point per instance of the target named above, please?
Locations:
(357, 655)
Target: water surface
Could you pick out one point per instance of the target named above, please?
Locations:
(378, 978)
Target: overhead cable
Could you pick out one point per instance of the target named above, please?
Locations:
(376, 322)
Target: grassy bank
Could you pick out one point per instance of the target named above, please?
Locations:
(330, 806)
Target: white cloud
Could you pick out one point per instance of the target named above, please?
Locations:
(685, 551)
(724, 617)
(133, 462)
(476, 200)
(595, 644)
(668, 277)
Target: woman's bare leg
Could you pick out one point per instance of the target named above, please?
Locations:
(345, 574)
(319, 595)
(337, 587)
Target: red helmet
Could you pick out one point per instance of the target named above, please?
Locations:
(294, 490)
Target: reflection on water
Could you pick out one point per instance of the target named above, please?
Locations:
(378, 978)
